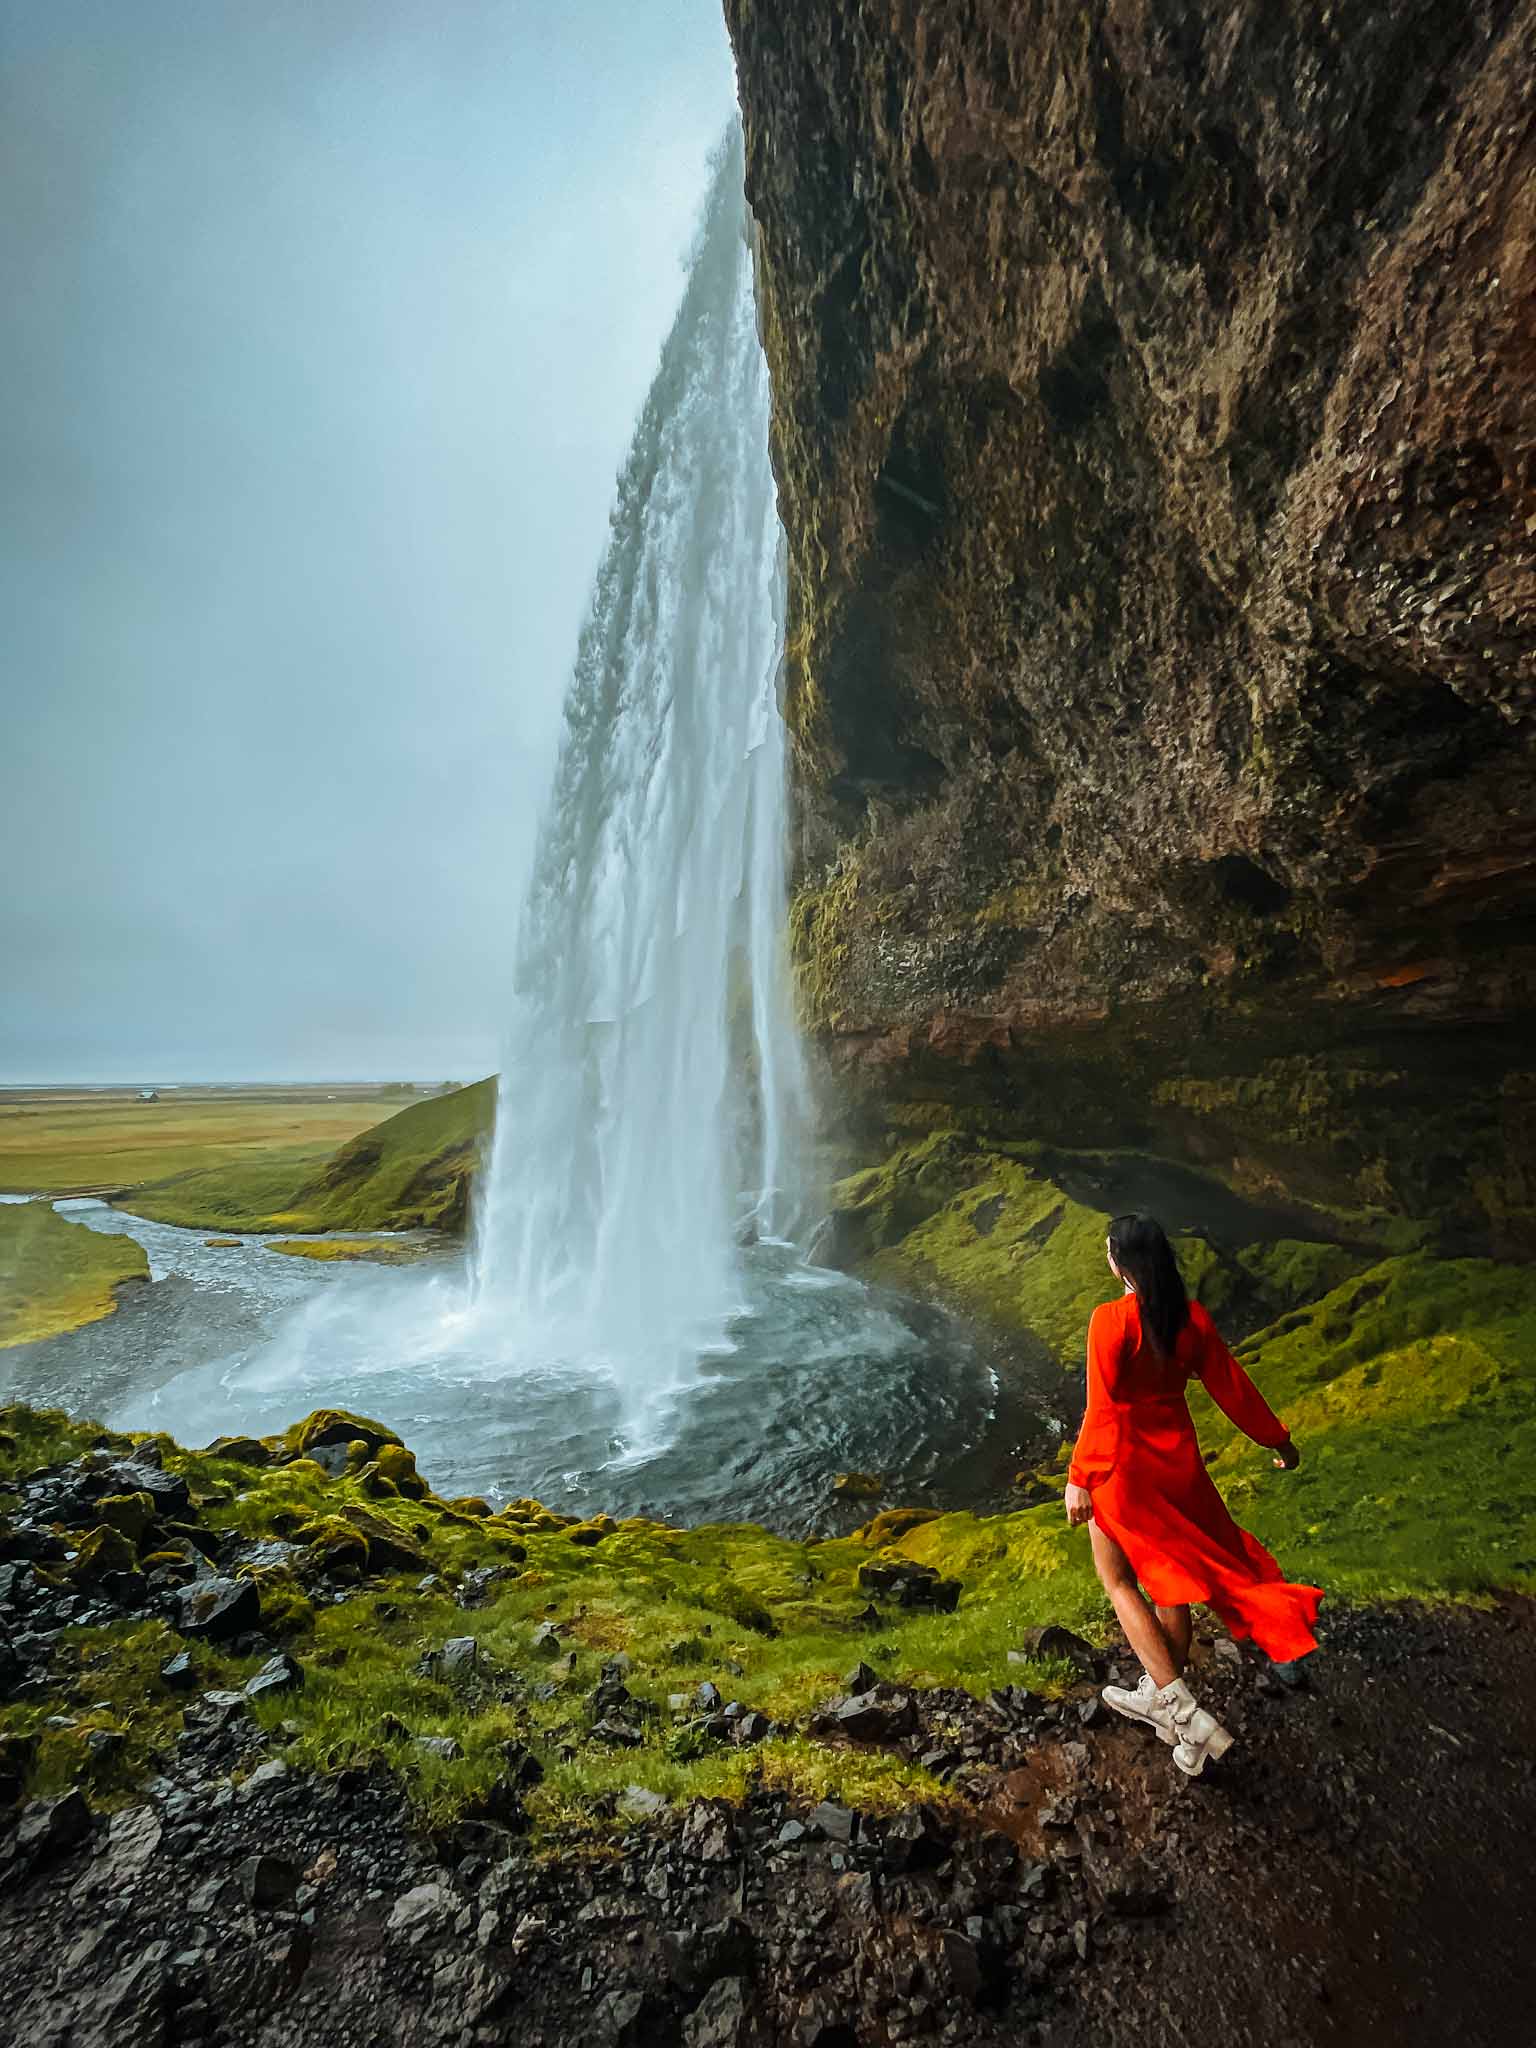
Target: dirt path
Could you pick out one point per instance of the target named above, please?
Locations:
(1360, 1869)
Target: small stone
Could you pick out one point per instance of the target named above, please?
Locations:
(545, 1640)
(638, 1802)
(267, 1883)
(280, 1673)
(835, 1822)
(178, 1673)
(459, 1656)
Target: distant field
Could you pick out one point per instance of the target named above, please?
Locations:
(60, 1143)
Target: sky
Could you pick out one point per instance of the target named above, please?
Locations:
(325, 326)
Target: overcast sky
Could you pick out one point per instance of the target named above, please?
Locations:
(323, 330)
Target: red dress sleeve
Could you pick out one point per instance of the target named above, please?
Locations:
(1094, 1455)
(1232, 1390)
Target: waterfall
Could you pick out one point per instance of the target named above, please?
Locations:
(652, 1093)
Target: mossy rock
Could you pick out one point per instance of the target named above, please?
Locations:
(339, 1546)
(338, 1426)
(102, 1550)
(388, 1550)
(592, 1531)
(129, 1513)
(240, 1450)
(859, 1485)
(222, 1244)
(398, 1466)
(892, 1524)
(471, 1504)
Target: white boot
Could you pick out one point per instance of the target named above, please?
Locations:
(1197, 1736)
(1193, 1734)
(1144, 1705)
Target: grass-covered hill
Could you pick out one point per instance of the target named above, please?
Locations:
(411, 1171)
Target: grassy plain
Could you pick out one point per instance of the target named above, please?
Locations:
(58, 1142)
(56, 1275)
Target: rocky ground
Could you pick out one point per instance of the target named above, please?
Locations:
(1357, 1865)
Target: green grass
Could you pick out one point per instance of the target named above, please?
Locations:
(1411, 1389)
(410, 1171)
(56, 1275)
(59, 1144)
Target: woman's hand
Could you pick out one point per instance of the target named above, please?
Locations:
(1287, 1458)
(1079, 1506)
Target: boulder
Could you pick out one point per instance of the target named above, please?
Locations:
(217, 1609)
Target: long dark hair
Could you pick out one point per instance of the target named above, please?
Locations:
(1140, 1248)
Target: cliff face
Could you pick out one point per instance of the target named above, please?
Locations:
(1155, 426)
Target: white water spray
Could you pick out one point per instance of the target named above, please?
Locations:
(652, 1093)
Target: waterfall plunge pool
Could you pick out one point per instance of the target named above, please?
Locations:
(816, 1375)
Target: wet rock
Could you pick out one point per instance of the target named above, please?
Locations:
(874, 1717)
(617, 1733)
(728, 2016)
(51, 1827)
(835, 1823)
(217, 1609)
(280, 1673)
(425, 1910)
(267, 1883)
(242, 1450)
(699, 1956)
(638, 1802)
(1055, 1641)
(914, 1840)
(179, 1672)
(912, 1585)
(709, 1831)
(861, 1679)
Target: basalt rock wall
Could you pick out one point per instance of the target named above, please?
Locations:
(1155, 428)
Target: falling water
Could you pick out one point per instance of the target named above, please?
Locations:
(636, 1335)
(652, 1093)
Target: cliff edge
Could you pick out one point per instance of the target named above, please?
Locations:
(1153, 422)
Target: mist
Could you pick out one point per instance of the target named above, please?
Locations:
(326, 329)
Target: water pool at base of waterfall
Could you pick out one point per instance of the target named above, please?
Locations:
(814, 1376)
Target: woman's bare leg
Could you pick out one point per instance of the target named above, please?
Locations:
(1177, 1630)
(1142, 1629)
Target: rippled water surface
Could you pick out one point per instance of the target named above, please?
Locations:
(817, 1375)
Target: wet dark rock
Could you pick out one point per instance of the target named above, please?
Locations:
(836, 1823)
(913, 1840)
(883, 1716)
(267, 1883)
(912, 1585)
(51, 1827)
(728, 2016)
(709, 1831)
(179, 1672)
(280, 1673)
(218, 1609)
(1055, 1641)
(618, 1733)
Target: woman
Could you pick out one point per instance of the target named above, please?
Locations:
(1137, 1475)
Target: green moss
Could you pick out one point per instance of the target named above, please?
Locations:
(379, 1251)
(983, 1232)
(56, 1275)
(1412, 1392)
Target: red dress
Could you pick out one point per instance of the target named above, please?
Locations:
(1138, 1455)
